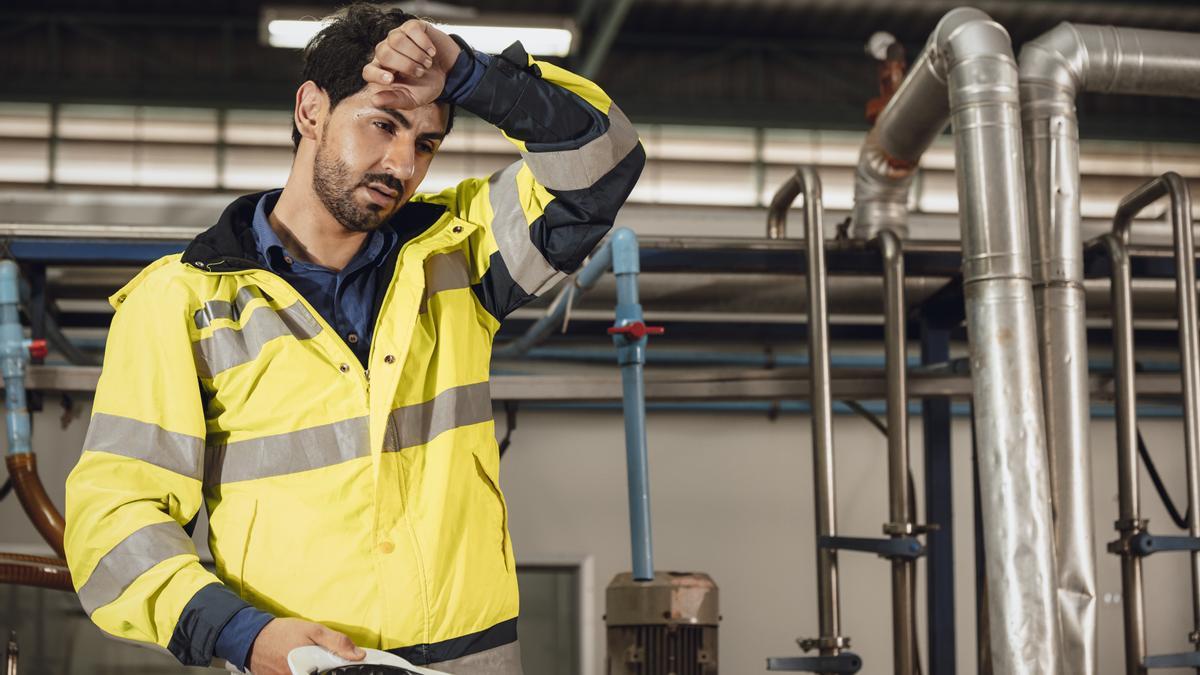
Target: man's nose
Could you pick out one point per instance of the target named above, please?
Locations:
(400, 161)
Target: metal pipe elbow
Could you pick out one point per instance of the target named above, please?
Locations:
(22, 468)
(1057, 60)
(880, 191)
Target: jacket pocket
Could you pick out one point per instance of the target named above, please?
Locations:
(493, 485)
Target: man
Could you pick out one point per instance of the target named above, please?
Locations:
(313, 370)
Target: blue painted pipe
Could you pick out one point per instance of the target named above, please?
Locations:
(631, 355)
(14, 355)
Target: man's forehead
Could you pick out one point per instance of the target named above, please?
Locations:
(430, 117)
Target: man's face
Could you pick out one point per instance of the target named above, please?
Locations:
(369, 161)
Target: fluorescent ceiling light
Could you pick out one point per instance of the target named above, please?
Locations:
(292, 33)
(541, 36)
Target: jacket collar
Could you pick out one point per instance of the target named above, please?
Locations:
(230, 246)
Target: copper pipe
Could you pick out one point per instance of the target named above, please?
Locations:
(22, 468)
(32, 570)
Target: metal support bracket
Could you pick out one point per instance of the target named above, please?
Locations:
(846, 662)
(1144, 544)
(907, 548)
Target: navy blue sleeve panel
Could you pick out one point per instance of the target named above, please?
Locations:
(571, 227)
(206, 614)
(238, 636)
(466, 73)
(512, 96)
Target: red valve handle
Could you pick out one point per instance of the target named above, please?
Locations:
(636, 330)
(38, 349)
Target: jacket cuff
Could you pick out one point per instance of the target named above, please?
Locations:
(466, 74)
(195, 637)
(236, 640)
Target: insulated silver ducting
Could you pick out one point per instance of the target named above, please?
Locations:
(967, 75)
(1054, 68)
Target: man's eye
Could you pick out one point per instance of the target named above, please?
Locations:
(425, 147)
(384, 126)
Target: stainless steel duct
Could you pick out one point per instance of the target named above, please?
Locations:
(1054, 68)
(967, 75)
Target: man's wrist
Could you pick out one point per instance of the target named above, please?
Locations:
(466, 73)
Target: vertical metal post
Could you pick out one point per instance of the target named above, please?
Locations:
(822, 413)
(901, 519)
(1130, 524)
(629, 336)
(939, 509)
(1129, 520)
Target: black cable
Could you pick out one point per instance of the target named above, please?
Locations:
(1180, 521)
(510, 416)
(866, 414)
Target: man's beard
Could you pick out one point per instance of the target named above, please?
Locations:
(335, 187)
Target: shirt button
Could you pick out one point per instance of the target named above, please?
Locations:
(287, 259)
(389, 359)
(457, 229)
(352, 338)
(345, 367)
(386, 547)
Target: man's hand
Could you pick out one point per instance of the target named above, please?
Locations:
(269, 654)
(412, 63)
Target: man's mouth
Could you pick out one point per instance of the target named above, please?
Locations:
(381, 194)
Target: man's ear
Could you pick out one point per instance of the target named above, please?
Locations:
(311, 107)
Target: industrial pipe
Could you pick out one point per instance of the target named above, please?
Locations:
(1054, 69)
(15, 353)
(784, 197)
(830, 641)
(1130, 524)
(31, 570)
(899, 497)
(967, 75)
(629, 336)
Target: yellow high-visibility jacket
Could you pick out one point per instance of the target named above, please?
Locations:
(366, 500)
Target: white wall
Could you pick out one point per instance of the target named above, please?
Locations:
(732, 497)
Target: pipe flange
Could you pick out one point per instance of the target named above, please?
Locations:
(1130, 525)
(823, 643)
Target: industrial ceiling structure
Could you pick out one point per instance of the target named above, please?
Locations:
(753, 63)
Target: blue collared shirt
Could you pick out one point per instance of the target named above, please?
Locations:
(345, 298)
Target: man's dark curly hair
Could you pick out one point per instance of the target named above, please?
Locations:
(335, 57)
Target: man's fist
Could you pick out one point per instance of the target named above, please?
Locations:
(411, 64)
(269, 654)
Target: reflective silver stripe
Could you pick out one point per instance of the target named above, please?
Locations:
(173, 451)
(131, 558)
(220, 309)
(445, 272)
(229, 347)
(457, 407)
(525, 263)
(292, 452)
(581, 168)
